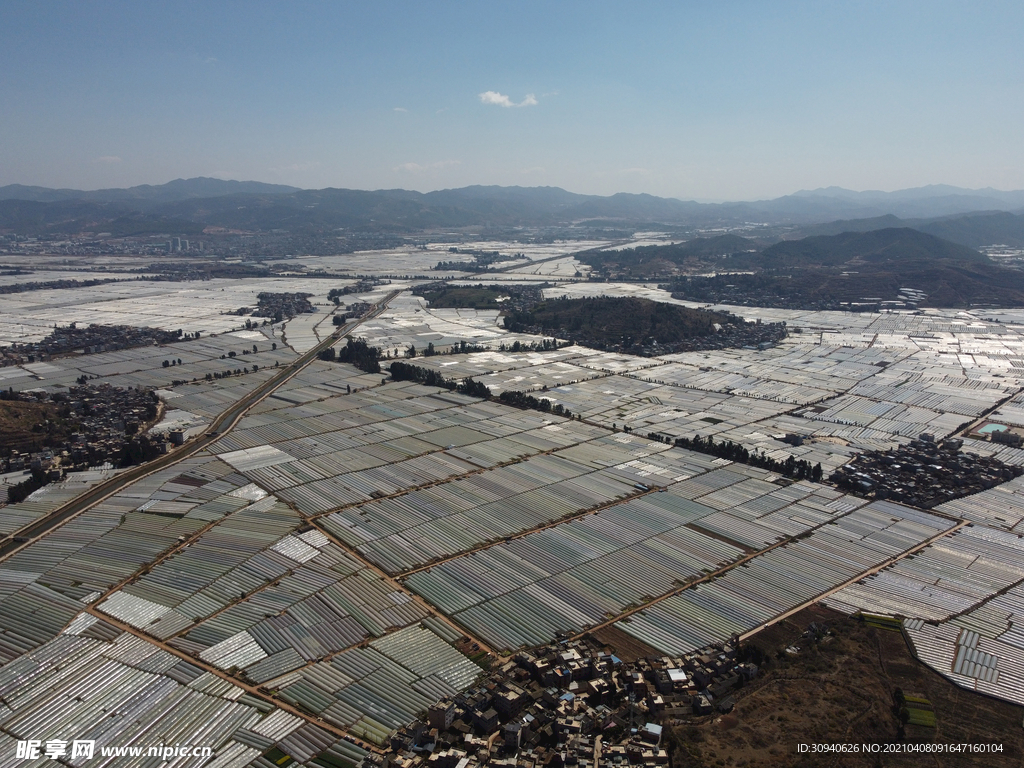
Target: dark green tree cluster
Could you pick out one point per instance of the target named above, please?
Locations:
(357, 352)
(139, 450)
(798, 469)
(21, 491)
(531, 346)
(616, 320)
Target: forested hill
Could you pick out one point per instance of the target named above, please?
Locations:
(829, 271)
(617, 318)
(881, 245)
(638, 326)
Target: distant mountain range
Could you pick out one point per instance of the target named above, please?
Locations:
(189, 205)
(172, 191)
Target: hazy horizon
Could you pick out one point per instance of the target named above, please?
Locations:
(733, 102)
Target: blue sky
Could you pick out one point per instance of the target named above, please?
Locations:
(708, 100)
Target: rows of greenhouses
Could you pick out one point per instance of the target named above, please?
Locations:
(317, 381)
(105, 545)
(48, 498)
(77, 682)
(144, 366)
(208, 307)
(947, 577)
(371, 691)
(981, 650)
(415, 528)
(317, 601)
(749, 596)
(255, 592)
(999, 507)
(580, 573)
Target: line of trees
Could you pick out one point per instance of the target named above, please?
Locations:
(427, 376)
(408, 372)
(798, 469)
(523, 400)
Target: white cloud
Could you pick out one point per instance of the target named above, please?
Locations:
(418, 168)
(501, 100)
(401, 109)
(107, 159)
(211, 60)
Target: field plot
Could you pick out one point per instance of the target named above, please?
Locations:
(532, 371)
(48, 498)
(577, 574)
(477, 365)
(781, 579)
(100, 548)
(409, 322)
(207, 307)
(947, 577)
(917, 394)
(305, 331)
(371, 691)
(982, 650)
(1000, 507)
(565, 268)
(794, 371)
(51, 275)
(191, 407)
(76, 684)
(317, 381)
(319, 548)
(144, 366)
(671, 410)
(415, 528)
(349, 449)
(537, 251)
(1011, 413)
(253, 591)
(409, 261)
(99, 669)
(274, 604)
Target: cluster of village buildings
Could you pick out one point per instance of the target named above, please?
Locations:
(571, 704)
